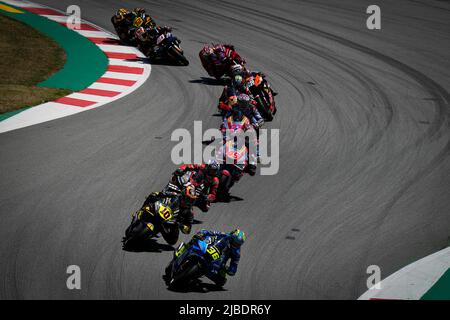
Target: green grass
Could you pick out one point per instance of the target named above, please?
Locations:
(26, 58)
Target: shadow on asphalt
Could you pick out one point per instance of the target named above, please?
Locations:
(196, 286)
(155, 62)
(209, 81)
(150, 245)
(143, 60)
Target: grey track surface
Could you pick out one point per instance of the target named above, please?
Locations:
(364, 168)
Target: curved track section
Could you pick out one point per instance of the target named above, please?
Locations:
(364, 167)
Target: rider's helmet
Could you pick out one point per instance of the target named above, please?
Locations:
(238, 82)
(212, 168)
(237, 237)
(244, 100)
(120, 14)
(148, 22)
(236, 69)
(139, 10)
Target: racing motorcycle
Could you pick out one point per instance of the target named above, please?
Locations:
(235, 156)
(263, 96)
(125, 28)
(191, 182)
(155, 216)
(169, 49)
(236, 164)
(218, 68)
(180, 183)
(192, 261)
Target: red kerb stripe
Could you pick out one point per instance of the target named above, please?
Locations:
(45, 11)
(125, 69)
(120, 55)
(121, 82)
(75, 102)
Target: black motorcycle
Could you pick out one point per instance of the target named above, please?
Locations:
(169, 49)
(264, 97)
(155, 216)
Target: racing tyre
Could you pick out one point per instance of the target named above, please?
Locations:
(172, 236)
(178, 56)
(190, 270)
(264, 110)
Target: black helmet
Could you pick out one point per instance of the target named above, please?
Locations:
(139, 10)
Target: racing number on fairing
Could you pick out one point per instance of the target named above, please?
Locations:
(213, 252)
(165, 212)
(137, 22)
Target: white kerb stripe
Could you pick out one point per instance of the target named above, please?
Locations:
(124, 76)
(96, 34)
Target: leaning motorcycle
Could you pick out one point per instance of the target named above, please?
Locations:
(193, 261)
(193, 181)
(263, 96)
(170, 50)
(158, 217)
(124, 29)
(237, 157)
(218, 68)
(179, 183)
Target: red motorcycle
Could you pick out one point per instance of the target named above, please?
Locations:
(218, 59)
(237, 157)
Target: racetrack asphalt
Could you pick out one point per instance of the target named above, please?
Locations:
(364, 174)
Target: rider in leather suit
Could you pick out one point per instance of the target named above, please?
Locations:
(236, 96)
(206, 174)
(230, 246)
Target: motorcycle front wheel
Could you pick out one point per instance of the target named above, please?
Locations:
(178, 56)
(172, 234)
(189, 270)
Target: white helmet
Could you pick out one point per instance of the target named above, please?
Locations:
(237, 69)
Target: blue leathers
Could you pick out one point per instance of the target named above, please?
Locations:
(223, 241)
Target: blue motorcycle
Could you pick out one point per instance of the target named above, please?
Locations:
(194, 260)
(170, 49)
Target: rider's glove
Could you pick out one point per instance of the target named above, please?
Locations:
(231, 272)
(197, 236)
